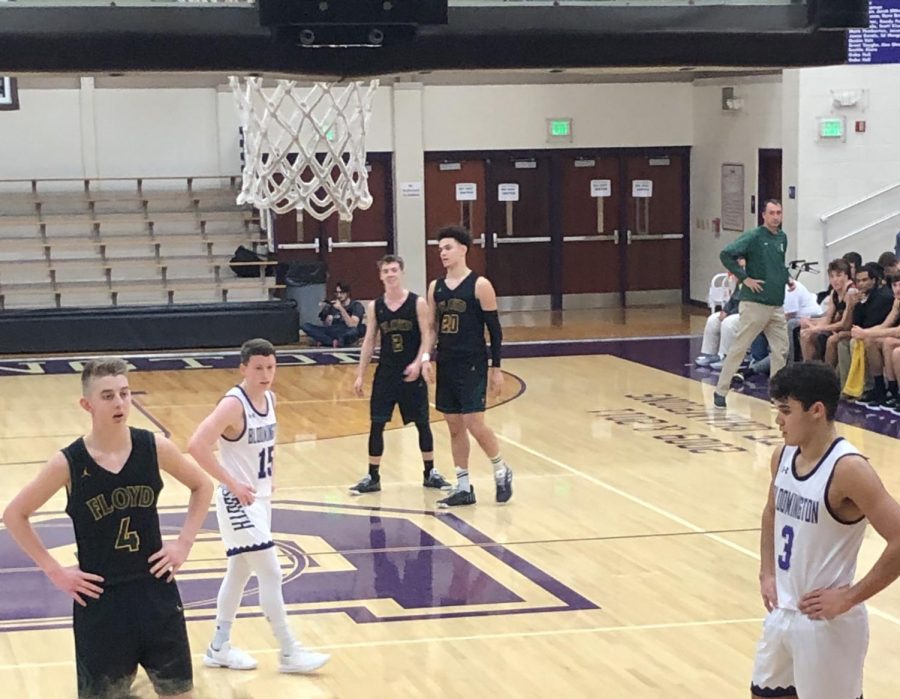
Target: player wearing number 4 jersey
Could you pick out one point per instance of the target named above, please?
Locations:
(823, 494)
(243, 424)
(128, 611)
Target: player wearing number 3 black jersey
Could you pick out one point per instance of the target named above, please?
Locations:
(823, 493)
(127, 609)
(243, 424)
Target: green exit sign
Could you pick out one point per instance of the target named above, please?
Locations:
(559, 129)
(831, 128)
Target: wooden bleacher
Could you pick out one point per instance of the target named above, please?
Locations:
(113, 241)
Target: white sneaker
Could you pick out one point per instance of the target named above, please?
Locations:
(707, 359)
(302, 661)
(232, 658)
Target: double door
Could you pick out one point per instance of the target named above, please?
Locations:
(349, 249)
(564, 229)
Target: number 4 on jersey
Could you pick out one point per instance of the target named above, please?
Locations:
(266, 456)
(127, 538)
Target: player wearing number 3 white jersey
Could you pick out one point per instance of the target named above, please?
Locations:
(243, 424)
(823, 494)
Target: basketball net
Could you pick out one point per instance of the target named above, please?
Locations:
(305, 147)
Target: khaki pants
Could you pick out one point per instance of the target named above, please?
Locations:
(756, 318)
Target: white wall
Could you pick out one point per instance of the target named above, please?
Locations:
(71, 127)
(834, 174)
(496, 117)
(43, 138)
(156, 132)
(721, 137)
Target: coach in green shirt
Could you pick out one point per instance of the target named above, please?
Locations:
(762, 297)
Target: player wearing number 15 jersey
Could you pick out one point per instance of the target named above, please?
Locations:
(128, 611)
(822, 495)
(244, 425)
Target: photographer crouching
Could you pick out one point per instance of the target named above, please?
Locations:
(342, 320)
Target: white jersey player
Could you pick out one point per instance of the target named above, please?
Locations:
(244, 425)
(823, 494)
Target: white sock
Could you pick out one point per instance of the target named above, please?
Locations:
(462, 479)
(268, 575)
(500, 467)
(222, 635)
(229, 599)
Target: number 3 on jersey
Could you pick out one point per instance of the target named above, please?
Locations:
(784, 560)
(266, 457)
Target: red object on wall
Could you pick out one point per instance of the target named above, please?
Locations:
(860, 127)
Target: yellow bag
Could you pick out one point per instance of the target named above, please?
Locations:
(856, 377)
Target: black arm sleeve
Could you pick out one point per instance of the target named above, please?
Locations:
(492, 320)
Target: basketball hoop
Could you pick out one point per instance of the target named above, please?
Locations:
(305, 147)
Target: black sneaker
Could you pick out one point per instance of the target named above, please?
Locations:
(437, 481)
(870, 396)
(458, 497)
(366, 485)
(718, 400)
(504, 485)
(876, 402)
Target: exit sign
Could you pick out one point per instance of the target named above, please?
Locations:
(832, 128)
(559, 130)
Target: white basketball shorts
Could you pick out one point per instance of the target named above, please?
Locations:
(243, 527)
(810, 658)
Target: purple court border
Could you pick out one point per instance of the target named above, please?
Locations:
(569, 599)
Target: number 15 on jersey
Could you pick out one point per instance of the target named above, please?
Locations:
(266, 457)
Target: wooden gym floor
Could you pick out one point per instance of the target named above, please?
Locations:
(624, 566)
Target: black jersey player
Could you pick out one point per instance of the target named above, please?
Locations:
(127, 609)
(400, 317)
(463, 304)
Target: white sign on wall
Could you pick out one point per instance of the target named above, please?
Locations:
(601, 188)
(733, 197)
(641, 189)
(411, 189)
(466, 191)
(508, 191)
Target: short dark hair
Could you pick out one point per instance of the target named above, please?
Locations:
(808, 383)
(458, 233)
(854, 259)
(891, 278)
(343, 286)
(257, 347)
(887, 259)
(873, 269)
(776, 202)
(839, 265)
(388, 260)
